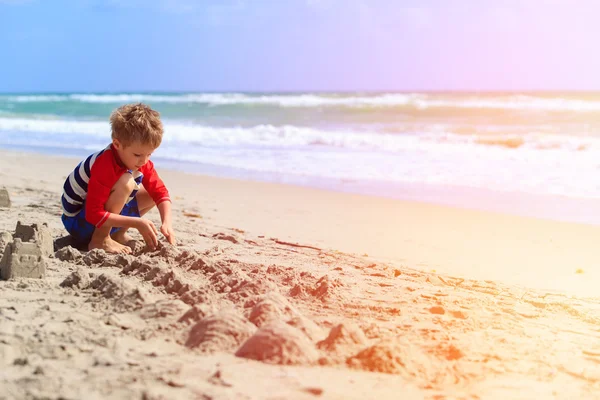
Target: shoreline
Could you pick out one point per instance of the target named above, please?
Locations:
(542, 206)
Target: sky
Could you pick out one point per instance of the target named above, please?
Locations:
(298, 45)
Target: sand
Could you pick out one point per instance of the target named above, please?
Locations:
(281, 292)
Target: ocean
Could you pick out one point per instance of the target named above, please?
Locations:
(544, 144)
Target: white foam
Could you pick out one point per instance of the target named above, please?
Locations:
(551, 173)
(260, 135)
(95, 128)
(34, 98)
(514, 102)
(439, 138)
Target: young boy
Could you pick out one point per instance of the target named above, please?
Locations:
(110, 190)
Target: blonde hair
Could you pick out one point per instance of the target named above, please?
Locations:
(136, 123)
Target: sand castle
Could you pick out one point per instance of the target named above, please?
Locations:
(23, 254)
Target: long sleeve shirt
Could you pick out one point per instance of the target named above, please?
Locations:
(89, 185)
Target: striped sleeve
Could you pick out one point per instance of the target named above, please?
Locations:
(76, 186)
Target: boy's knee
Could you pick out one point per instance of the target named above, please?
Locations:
(125, 184)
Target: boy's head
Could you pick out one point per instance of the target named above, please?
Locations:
(136, 123)
(136, 132)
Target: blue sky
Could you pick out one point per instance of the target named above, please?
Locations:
(298, 45)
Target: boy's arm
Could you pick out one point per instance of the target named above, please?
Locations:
(97, 196)
(159, 193)
(122, 221)
(102, 179)
(166, 228)
(164, 210)
(154, 185)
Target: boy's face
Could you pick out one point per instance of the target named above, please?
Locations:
(134, 155)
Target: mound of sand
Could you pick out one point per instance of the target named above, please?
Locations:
(279, 343)
(224, 331)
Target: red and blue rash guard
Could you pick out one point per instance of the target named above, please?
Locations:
(92, 180)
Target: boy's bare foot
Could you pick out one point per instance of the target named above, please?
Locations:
(110, 246)
(121, 236)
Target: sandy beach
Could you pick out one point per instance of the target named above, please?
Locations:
(284, 292)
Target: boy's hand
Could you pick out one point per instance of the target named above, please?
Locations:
(167, 230)
(148, 232)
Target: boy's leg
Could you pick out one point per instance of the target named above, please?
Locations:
(145, 204)
(118, 196)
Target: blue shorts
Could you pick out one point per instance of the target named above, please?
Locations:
(82, 231)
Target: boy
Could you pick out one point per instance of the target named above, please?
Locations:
(102, 197)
